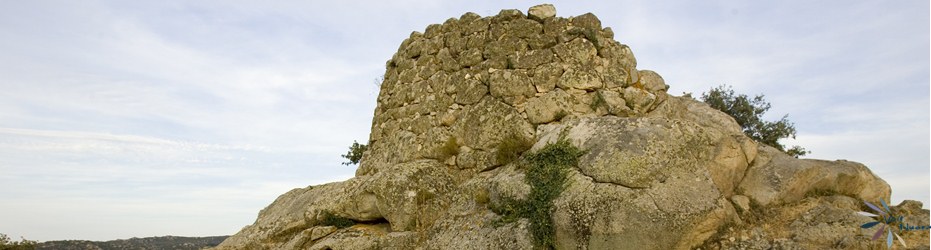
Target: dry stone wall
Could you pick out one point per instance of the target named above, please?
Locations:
(453, 92)
(658, 172)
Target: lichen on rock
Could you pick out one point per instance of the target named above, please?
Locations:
(461, 104)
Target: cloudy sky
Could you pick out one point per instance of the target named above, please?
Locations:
(144, 118)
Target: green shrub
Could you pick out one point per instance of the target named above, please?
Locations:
(355, 153)
(748, 113)
(547, 173)
(510, 148)
(449, 148)
(481, 196)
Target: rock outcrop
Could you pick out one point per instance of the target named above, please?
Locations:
(465, 102)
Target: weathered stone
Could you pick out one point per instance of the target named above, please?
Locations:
(451, 26)
(476, 26)
(587, 21)
(531, 58)
(447, 61)
(541, 41)
(432, 30)
(541, 12)
(448, 119)
(639, 100)
(608, 33)
(414, 48)
(579, 79)
(631, 152)
(507, 184)
(652, 174)
(524, 28)
(503, 83)
(508, 15)
(468, 17)
(486, 123)
(546, 76)
(581, 101)
(470, 91)
(689, 109)
(818, 222)
(500, 50)
(742, 203)
(432, 45)
(615, 77)
(548, 107)
(777, 178)
(407, 193)
(620, 55)
(577, 52)
(615, 103)
(652, 82)
(298, 210)
(470, 57)
(474, 159)
(319, 232)
(633, 76)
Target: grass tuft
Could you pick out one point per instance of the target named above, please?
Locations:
(449, 149)
(511, 147)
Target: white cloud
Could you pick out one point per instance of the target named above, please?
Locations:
(67, 179)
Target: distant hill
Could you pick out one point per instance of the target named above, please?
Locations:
(163, 242)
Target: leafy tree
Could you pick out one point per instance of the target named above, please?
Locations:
(7, 244)
(355, 153)
(748, 113)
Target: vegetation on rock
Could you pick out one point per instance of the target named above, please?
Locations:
(449, 149)
(547, 172)
(511, 147)
(355, 153)
(748, 113)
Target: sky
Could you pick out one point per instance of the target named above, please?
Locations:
(124, 119)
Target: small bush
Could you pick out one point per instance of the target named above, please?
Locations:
(598, 101)
(510, 148)
(481, 196)
(547, 174)
(330, 219)
(797, 151)
(749, 114)
(449, 149)
(355, 153)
